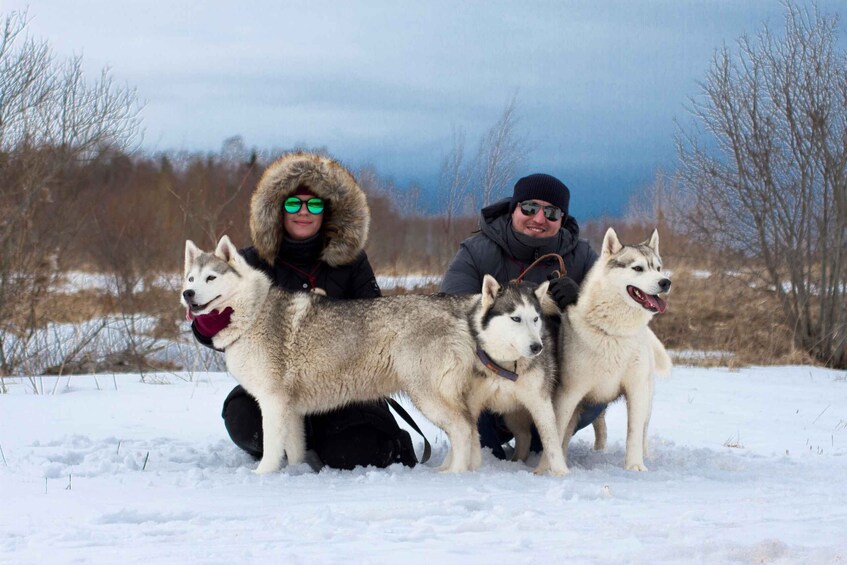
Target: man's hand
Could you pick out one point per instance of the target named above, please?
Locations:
(564, 291)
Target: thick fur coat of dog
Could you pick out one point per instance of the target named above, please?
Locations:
(607, 351)
(301, 353)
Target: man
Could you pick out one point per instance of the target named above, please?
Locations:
(514, 232)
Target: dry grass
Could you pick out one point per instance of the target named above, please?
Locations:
(735, 324)
(719, 313)
(74, 308)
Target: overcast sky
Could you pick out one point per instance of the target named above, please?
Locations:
(598, 84)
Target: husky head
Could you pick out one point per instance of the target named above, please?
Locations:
(211, 279)
(510, 324)
(636, 271)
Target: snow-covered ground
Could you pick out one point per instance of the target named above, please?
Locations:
(747, 467)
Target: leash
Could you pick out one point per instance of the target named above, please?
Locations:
(427, 451)
(559, 274)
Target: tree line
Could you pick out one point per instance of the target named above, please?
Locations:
(760, 188)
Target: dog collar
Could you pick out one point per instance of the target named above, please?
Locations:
(490, 364)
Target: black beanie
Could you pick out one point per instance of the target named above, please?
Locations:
(541, 187)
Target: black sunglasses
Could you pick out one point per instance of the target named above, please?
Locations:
(530, 208)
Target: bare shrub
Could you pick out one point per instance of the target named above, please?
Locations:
(51, 119)
(765, 175)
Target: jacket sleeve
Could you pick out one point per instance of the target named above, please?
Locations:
(363, 282)
(462, 276)
(583, 259)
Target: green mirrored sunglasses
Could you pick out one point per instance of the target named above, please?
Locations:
(293, 204)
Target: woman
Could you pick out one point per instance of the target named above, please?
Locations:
(309, 222)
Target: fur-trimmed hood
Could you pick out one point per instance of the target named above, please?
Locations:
(346, 223)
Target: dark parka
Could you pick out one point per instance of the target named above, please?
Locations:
(335, 262)
(501, 253)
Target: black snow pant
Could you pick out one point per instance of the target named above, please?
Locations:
(360, 434)
(493, 432)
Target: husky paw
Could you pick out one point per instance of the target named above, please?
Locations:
(453, 469)
(552, 472)
(542, 466)
(636, 467)
(265, 468)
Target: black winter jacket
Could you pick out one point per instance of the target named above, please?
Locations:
(498, 251)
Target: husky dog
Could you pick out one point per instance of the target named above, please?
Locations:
(606, 348)
(301, 353)
(509, 381)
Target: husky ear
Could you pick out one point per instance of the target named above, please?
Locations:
(490, 289)
(653, 242)
(541, 291)
(548, 305)
(226, 250)
(611, 243)
(191, 253)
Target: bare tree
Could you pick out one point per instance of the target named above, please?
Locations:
(454, 182)
(766, 176)
(501, 153)
(51, 118)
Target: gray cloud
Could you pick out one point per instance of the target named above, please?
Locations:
(598, 83)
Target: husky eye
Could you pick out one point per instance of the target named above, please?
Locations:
(190, 279)
(210, 278)
(516, 318)
(638, 269)
(535, 319)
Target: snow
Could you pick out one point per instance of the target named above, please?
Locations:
(77, 281)
(746, 466)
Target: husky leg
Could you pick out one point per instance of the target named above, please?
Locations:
(519, 423)
(600, 433)
(638, 407)
(295, 438)
(545, 422)
(475, 402)
(273, 434)
(564, 407)
(475, 448)
(476, 454)
(460, 431)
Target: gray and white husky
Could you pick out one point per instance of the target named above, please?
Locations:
(606, 348)
(301, 353)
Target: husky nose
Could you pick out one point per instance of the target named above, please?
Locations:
(188, 294)
(535, 348)
(665, 284)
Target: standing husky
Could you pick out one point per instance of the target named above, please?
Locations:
(510, 381)
(606, 348)
(301, 353)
